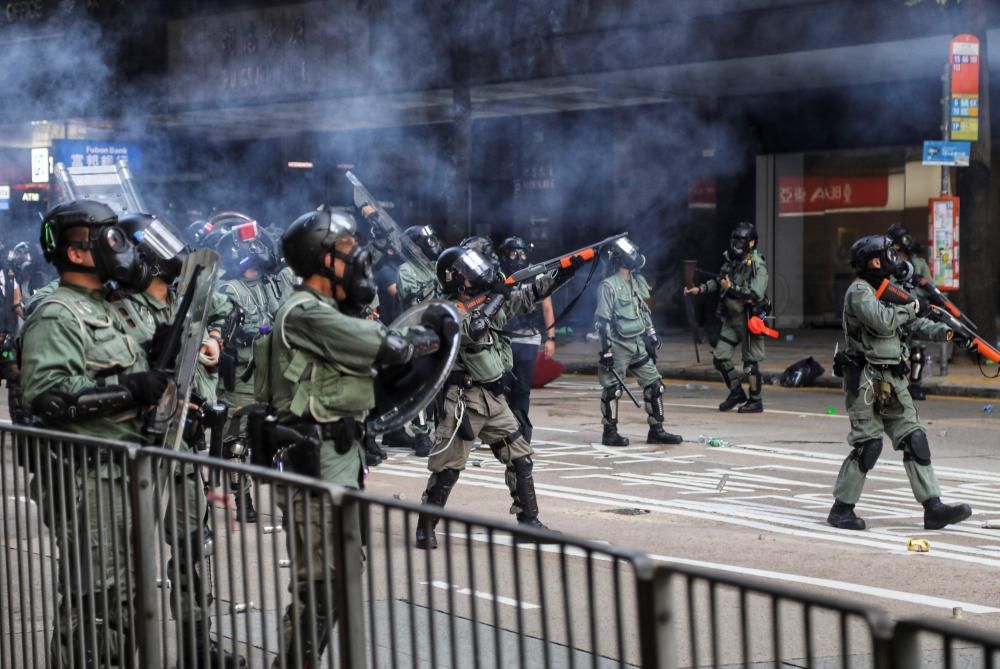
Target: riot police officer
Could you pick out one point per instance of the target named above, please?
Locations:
(873, 366)
(415, 287)
(83, 373)
(320, 385)
(473, 403)
(628, 345)
(162, 251)
(255, 285)
(743, 285)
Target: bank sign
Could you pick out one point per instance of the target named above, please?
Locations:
(86, 153)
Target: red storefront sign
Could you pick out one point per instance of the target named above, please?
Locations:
(701, 193)
(815, 194)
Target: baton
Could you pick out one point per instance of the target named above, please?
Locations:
(628, 392)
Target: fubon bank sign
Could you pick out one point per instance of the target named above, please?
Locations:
(86, 153)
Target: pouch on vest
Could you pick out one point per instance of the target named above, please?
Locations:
(262, 369)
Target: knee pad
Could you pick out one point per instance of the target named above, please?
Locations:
(751, 367)
(611, 393)
(721, 364)
(653, 390)
(867, 454)
(915, 447)
(498, 446)
(917, 355)
(522, 466)
(447, 478)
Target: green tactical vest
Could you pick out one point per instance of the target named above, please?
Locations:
(303, 384)
(631, 315)
(259, 300)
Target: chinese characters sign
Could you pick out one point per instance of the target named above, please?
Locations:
(85, 153)
(965, 88)
(817, 194)
(944, 242)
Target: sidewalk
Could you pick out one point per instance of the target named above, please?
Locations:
(677, 361)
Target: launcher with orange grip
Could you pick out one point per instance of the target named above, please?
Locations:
(757, 326)
(892, 294)
(936, 297)
(564, 262)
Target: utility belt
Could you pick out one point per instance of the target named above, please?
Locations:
(882, 395)
(297, 443)
(464, 381)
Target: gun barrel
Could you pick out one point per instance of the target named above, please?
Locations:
(586, 254)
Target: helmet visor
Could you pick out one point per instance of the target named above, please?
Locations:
(160, 238)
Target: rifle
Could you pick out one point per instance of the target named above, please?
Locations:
(567, 261)
(391, 230)
(890, 293)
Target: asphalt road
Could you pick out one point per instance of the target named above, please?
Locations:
(755, 507)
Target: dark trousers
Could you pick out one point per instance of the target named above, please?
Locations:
(521, 376)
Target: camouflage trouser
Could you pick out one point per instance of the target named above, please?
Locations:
(630, 358)
(733, 337)
(85, 508)
(184, 531)
(491, 420)
(309, 619)
(867, 425)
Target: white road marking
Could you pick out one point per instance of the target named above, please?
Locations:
(555, 429)
(704, 509)
(441, 585)
(844, 586)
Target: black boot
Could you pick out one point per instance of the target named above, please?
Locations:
(843, 518)
(917, 392)
(206, 646)
(438, 489)
(736, 397)
(657, 435)
(245, 512)
(422, 447)
(525, 497)
(373, 454)
(937, 514)
(752, 406)
(398, 439)
(612, 438)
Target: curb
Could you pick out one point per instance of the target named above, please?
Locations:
(825, 381)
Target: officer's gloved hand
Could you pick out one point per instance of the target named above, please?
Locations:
(146, 387)
(923, 308)
(607, 360)
(478, 327)
(440, 320)
(544, 285)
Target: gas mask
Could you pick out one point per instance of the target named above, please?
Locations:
(514, 260)
(117, 259)
(162, 248)
(739, 246)
(628, 254)
(890, 267)
(357, 282)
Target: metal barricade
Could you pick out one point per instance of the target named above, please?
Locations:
(942, 643)
(116, 555)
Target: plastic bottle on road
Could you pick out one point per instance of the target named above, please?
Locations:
(714, 442)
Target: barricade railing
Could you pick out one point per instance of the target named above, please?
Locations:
(117, 555)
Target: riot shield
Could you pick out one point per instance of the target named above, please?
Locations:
(415, 386)
(181, 345)
(110, 184)
(409, 251)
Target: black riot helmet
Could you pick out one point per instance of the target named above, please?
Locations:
(308, 240)
(244, 246)
(902, 238)
(623, 253)
(739, 240)
(116, 256)
(881, 247)
(426, 240)
(457, 265)
(160, 244)
(513, 254)
(19, 256)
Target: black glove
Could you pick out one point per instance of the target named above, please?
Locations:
(607, 360)
(440, 320)
(923, 308)
(478, 327)
(146, 388)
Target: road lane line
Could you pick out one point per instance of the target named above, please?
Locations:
(441, 585)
